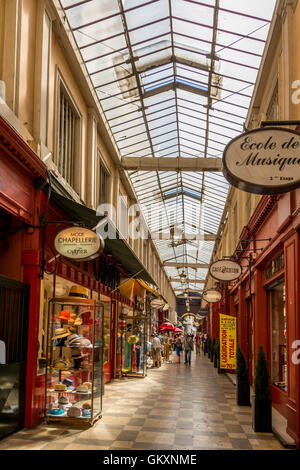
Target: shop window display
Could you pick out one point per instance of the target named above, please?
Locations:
(278, 336)
(74, 359)
(106, 328)
(132, 327)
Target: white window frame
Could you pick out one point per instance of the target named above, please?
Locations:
(75, 182)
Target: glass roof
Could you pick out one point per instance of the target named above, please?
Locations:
(174, 79)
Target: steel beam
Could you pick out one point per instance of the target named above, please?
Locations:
(191, 281)
(171, 164)
(188, 290)
(186, 265)
(183, 238)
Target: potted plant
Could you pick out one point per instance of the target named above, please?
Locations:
(262, 404)
(220, 371)
(208, 347)
(212, 350)
(205, 346)
(216, 354)
(243, 384)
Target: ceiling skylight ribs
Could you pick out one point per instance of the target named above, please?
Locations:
(174, 79)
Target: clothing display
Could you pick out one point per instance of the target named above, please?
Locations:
(132, 331)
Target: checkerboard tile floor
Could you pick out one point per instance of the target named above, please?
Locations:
(175, 407)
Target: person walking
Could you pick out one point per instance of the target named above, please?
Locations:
(188, 347)
(197, 342)
(156, 351)
(178, 348)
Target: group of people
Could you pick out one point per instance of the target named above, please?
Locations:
(181, 342)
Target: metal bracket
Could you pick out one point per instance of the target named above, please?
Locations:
(279, 123)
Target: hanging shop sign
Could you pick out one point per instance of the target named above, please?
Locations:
(212, 296)
(79, 244)
(227, 342)
(264, 161)
(225, 270)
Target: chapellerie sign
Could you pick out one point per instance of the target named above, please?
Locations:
(79, 244)
(225, 270)
(264, 161)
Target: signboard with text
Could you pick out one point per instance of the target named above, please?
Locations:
(78, 243)
(225, 270)
(264, 161)
(227, 342)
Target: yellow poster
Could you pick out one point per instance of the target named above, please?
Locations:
(227, 342)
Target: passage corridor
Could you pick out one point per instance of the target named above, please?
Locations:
(174, 407)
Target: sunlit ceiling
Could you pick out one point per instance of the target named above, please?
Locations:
(174, 79)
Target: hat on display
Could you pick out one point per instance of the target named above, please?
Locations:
(68, 382)
(78, 293)
(77, 322)
(82, 389)
(86, 406)
(56, 412)
(63, 400)
(71, 339)
(86, 413)
(60, 333)
(74, 412)
(85, 342)
(60, 388)
(64, 315)
(133, 339)
(60, 364)
(76, 341)
(88, 384)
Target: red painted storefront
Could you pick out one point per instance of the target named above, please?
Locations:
(21, 203)
(20, 170)
(273, 231)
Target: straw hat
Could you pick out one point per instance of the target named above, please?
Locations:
(60, 388)
(60, 333)
(77, 293)
(133, 339)
(82, 389)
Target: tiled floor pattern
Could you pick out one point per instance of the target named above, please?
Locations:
(174, 407)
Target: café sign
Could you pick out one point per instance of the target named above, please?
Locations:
(78, 244)
(225, 270)
(264, 161)
(212, 296)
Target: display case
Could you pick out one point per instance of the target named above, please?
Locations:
(74, 362)
(133, 324)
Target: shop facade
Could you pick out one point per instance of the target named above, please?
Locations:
(21, 173)
(265, 300)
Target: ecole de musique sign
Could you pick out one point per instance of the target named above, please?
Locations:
(264, 161)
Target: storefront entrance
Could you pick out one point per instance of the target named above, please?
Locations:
(14, 308)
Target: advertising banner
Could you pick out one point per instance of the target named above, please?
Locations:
(227, 342)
